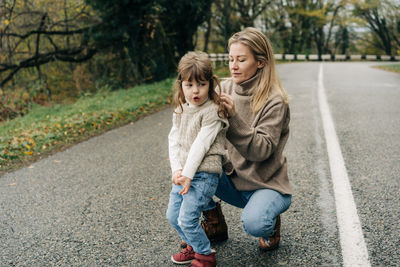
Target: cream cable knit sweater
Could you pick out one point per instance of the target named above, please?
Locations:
(187, 125)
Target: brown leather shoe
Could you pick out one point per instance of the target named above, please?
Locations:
(214, 224)
(273, 241)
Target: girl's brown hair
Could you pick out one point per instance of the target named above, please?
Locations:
(262, 51)
(197, 66)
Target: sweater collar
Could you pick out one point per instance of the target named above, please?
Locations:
(245, 87)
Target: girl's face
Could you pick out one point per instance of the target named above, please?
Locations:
(196, 92)
(242, 62)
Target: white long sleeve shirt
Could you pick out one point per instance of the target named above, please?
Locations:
(204, 139)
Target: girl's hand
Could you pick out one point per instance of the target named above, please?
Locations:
(185, 182)
(228, 102)
(177, 174)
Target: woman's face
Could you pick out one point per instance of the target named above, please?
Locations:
(242, 63)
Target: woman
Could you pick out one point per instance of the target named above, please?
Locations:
(255, 176)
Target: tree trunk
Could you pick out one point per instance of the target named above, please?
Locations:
(207, 35)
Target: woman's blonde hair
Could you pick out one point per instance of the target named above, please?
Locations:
(262, 51)
(196, 66)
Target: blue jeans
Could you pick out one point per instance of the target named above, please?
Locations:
(260, 207)
(184, 211)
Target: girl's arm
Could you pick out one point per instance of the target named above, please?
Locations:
(205, 138)
(173, 147)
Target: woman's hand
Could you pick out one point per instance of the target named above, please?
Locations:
(175, 176)
(185, 182)
(228, 102)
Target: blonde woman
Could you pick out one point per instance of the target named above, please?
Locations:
(255, 177)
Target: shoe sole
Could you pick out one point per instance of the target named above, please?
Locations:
(269, 249)
(180, 262)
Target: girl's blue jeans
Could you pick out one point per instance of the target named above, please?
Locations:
(260, 207)
(184, 211)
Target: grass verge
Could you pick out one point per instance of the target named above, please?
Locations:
(392, 67)
(45, 130)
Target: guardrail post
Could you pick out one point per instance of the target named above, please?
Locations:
(223, 57)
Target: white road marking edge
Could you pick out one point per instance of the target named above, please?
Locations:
(354, 250)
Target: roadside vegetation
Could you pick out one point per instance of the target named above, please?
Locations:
(392, 68)
(47, 129)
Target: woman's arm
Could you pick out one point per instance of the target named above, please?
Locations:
(258, 143)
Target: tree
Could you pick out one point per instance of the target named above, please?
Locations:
(249, 10)
(226, 19)
(323, 14)
(304, 25)
(342, 40)
(128, 28)
(289, 21)
(181, 19)
(36, 33)
(155, 33)
(383, 19)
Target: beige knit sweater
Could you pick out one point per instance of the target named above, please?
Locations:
(256, 141)
(189, 123)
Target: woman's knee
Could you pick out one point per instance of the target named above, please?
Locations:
(257, 225)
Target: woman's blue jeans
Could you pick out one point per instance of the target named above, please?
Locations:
(260, 207)
(184, 211)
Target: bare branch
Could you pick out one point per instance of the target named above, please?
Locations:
(76, 55)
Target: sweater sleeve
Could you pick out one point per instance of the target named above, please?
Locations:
(173, 147)
(259, 142)
(204, 139)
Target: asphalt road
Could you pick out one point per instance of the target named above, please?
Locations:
(103, 201)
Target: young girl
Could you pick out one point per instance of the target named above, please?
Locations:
(196, 148)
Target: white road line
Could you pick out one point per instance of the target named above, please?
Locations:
(354, 250)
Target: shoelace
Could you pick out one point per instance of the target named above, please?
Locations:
(186, 251)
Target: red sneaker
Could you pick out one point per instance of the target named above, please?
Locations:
(185, 256)
(201, 260)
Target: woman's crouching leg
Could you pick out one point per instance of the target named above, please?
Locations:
(260, 214)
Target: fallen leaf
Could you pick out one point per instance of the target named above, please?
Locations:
(12, 184)
(57, 161)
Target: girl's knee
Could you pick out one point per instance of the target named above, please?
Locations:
(187, 223)
(172, 217)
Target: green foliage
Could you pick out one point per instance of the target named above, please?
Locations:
(34, 33)
(180, 20)
(392, 67)
(383, 19)
(46, 128)
(154, 33)
(222, 72)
